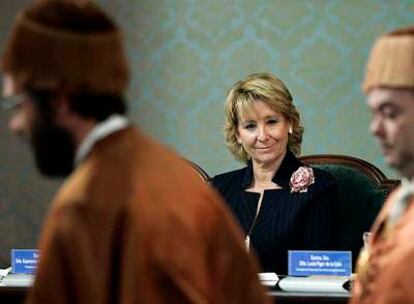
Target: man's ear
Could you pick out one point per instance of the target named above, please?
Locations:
(9, 86)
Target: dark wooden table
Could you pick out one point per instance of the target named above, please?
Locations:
(309, 297)
(15, 295)
(12, 295)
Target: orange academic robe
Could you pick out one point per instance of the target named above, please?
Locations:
(389, 278)
(134, 224)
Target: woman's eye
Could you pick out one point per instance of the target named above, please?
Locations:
(249, 126)
(272, 121)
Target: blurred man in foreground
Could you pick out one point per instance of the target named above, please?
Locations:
(132, 223)
(386, 270)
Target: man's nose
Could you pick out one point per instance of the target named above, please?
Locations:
(376, 127)
(18, 123)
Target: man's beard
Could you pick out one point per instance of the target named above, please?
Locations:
(54, 149)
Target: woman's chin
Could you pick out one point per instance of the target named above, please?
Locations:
(266, 159)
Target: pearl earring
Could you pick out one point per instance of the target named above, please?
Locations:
(290, 130)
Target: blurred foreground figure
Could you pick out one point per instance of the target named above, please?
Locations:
(131, 223)
(386, 268)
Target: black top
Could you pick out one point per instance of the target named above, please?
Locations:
(287, 221)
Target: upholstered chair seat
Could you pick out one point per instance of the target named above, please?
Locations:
(362, 191)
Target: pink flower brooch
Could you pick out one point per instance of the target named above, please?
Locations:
(301, 179)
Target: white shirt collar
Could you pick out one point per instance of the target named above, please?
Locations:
(103, 129)
(407, 185)
(402, 199)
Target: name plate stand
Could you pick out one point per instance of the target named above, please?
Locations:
(308, 263)
(24, 261)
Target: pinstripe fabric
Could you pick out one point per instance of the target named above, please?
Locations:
(287, 221)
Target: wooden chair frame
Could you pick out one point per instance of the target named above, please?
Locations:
(200, 171)
(368, 169)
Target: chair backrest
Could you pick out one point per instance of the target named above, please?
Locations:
(200, 171)
(362, 190)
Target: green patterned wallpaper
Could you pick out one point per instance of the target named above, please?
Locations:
(184, 56)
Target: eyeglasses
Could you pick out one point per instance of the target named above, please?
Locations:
(14, 102)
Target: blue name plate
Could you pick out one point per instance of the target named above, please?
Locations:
(24, 260)
(307, 263)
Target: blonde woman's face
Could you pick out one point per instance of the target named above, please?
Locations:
(263, 133)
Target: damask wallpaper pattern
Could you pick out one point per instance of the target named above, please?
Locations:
(184, 56)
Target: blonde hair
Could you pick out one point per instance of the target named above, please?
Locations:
(267, 88)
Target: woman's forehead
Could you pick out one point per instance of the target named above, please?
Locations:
(256, 108)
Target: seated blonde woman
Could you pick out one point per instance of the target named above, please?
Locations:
(280, 203)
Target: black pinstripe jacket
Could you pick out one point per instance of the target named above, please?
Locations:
(287, 221)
